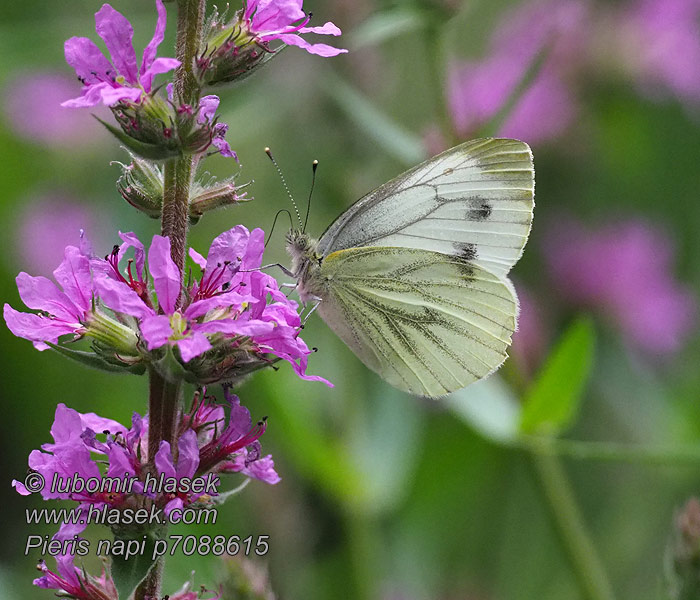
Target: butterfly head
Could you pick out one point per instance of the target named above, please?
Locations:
(302, 249)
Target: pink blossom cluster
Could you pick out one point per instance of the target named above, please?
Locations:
(231, 308)
(213, 438)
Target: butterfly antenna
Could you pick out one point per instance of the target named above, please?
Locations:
(314, 166)
(274, 222)
(284, 183)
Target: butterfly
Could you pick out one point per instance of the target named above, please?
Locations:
(413, 276)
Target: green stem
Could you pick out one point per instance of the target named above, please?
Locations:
(567, 518)
(165, 398)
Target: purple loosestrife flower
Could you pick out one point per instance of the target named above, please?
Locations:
(624, 270)
(225, 320)
(69, 308)
(233, 448)
(478, 90)
(186, 467)
(121, 80)
(232, 49)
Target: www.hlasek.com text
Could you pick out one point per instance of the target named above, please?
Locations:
(107, 515)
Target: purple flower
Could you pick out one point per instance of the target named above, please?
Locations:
(207, 114)
(74, 581)
(186, 467)
(63, 310)
(478, 90)
(624, 270)
(660, 42)
(284, 20)
(121, 80)
(234, 448)
(232, 305)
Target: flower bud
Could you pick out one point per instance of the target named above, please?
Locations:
(156, 129)
(141, 185)
(215, 195)
(231, 51)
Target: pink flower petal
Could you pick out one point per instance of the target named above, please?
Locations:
(117, 33)
(73, 275)
(166, 276)
(326, 29)
(38, 293)
(87, 59)
(156, 330)
(318, 49)
(118, 296)
(150, 51)
(193, 345)
(159, 66)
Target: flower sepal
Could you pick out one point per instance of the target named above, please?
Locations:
(103, 362)
(215, 195)
(148, 150)
(230, 52)
(141, 185)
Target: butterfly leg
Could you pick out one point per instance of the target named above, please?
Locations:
(282, 268)
(315, 306)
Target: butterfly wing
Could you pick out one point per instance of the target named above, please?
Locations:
(426, 322)
(474, 201)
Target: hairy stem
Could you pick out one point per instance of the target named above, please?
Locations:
(567, 518)
(165, 397)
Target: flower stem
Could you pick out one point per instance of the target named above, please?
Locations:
(165, 398)
(178, 173)
(565, 513)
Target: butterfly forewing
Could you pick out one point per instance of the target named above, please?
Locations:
(474, 201)
(427, 323)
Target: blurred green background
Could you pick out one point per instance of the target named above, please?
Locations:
(385, 496)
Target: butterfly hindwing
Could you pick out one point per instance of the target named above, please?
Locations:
(426, 322)
(474, 201)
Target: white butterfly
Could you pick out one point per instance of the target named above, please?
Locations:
(412, 277)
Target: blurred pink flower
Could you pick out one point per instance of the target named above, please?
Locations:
(46, 225)
(624, 270)
(660, 42)
(478, 90)
(33, 111)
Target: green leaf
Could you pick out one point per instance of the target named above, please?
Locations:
(128, 573)
(142, 149)
(490, 408)
(95, 361)
(552, 402)
(402, 144)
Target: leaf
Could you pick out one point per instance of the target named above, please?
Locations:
(552, 402)
(95, 361)
(402, 144)
(142, 149)
(490, 408)
(128, 573)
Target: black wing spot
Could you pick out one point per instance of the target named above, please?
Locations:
(480, 210)
(466, 251)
